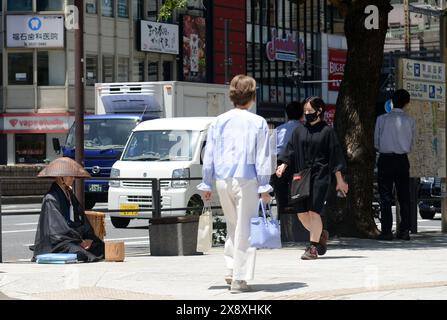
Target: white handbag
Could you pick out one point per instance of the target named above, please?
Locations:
(205, 230)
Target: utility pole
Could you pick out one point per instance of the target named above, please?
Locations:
(79, 96)
(443, 44)
(407, 35)
(228, 61)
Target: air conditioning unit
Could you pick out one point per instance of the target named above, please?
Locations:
(195, 4)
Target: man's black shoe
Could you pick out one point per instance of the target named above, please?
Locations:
(403, 235)
(385, 236)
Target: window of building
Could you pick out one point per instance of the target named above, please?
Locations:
(152, 10)
(50, 5)
(51, 68)
(123, 69)
(108, 8)
(108, 69)
(123, 9)
(20, 68)
(91, 66)
(152, 71)
(138, 9)
(30, 148)
(22, 5)
(167, 71)
(91, 6)
(138, 69)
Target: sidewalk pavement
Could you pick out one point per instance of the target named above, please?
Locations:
(351, 269)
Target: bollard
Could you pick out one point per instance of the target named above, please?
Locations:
(156, 199)
(444, 206)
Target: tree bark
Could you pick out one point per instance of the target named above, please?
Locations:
(355, 118)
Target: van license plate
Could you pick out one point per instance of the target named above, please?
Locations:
(95, 188)
(125, 207)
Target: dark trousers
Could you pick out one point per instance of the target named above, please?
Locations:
(394, 169)
(281, 190)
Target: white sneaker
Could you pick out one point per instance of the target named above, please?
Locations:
(239, 286)
(229, 276)
(229, 279)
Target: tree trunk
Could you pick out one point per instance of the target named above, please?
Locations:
(355, 119)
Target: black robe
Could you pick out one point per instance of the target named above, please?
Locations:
(317, 144)
(57, 234)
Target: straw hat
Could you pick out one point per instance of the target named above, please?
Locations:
(64, 167)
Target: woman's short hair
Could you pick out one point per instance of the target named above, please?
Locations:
(242, 90)
(317, 104)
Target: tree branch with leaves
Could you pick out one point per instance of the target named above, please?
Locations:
(168, 8)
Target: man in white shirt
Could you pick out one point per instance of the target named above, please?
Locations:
(394, 138)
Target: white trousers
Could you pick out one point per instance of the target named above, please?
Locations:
(239, 200)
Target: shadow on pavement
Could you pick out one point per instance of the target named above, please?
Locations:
(419, 241)
(341, 257)
(277, 287)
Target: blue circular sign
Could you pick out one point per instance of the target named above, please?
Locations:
(35, 24)
(389, 105)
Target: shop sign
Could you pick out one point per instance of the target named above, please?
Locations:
(336, 63)
(35, 31)
(289, 49)
(159, 37)
(27, 123)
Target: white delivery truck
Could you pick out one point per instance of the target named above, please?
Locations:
(170, 147)
(165, 99)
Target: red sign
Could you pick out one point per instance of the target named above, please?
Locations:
(337, 62)
(284, 49)
(329, 115)
(36, 123)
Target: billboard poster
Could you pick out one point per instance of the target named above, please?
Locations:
(337, 62)
(194, 49)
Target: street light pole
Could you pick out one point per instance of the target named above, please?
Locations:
(79, 96)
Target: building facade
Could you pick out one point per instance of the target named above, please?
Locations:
(284, 49)
(210, 41)
(37, 96)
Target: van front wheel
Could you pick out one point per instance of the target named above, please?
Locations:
(120, 223)
(196, 203)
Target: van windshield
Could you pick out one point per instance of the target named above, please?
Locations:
(163, 145)
(103, 133)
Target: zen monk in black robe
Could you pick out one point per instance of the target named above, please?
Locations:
(63, 226)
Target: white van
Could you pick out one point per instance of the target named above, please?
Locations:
(161, 148)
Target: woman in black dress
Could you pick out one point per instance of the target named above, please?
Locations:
(317, 144)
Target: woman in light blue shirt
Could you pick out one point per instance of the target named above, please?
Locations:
(238, 157)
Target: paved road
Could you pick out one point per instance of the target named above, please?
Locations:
(19, 232)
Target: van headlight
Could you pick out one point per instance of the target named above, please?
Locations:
(180, 173)
(114, 173)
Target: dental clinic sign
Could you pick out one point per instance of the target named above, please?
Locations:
(289, 49)
(35, 31)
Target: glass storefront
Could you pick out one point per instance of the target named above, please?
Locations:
(283, 38)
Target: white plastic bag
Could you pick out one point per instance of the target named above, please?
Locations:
(205, 231)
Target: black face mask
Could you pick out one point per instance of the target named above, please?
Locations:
(311, 117)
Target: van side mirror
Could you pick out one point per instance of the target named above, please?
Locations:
(202, 152)
(57, 145)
